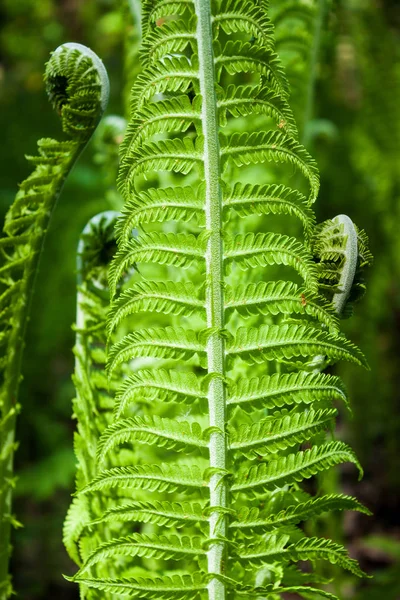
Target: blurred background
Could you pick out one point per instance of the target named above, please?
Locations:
(354, 135)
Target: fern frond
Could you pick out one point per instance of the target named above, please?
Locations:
(149, 477)
(181, 204)
(294, 467)
(305, 549)
(149, 546)
(249, 18)
(276, 146)
(285, 342)
(172, 38)
(160, 343)
(166, 297)
(168, 433)
(269, 199)
(244, 57)
(167, 386)
(210, 68)
(278, 297)
(176, 587)
(77, 87)
(259, 521)
(170, 514)
(278, 433)
(179, 250)
(253, 250)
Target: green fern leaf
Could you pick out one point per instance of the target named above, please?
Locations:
(275, 342)
(168, 433)
(294, 467)
(160, 343)
(149, 477)
(167, 386)
(238, 57)
(305, 549)
(167, 248)
(253, 250)
(165, 297)
(176, 587)
(149, 546)
(180, 204)
(269, 199)
(286, 389)
(254, 520)
(279, 297)
(170, 514)
(278, 433)
(172, 38)
(245, 149)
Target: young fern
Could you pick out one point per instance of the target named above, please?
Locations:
(230, 383)
(93, 405)
(77, 85)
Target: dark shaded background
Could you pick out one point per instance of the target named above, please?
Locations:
(356, 140)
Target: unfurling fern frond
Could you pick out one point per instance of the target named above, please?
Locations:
(92, 403)
(199, 439)
(341, 250)
(77, 86)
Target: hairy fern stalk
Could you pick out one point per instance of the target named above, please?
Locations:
(77, 85)
(224, 409)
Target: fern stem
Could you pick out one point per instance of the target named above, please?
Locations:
(214, 299)
(309, 106)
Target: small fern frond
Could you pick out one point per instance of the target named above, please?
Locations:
(170, 514)
(260, 250)
(305, 549)
(179, 250)
(148, 546)
(253, 519)
(166, 297)
(77, 86)
(276, 146)
(170, 342)
(175, 204)
(161, 478)
(176, 587)
(294, 467)
(167, 386)
(278, 297)
(269, 199)
(279, 390)
(279, 433)
(274, 342)
(168, 433)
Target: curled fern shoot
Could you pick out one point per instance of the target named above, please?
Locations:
(218, 330)
(77, 86)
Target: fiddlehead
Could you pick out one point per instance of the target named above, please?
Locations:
(77, 86)
(342, 253)
(235, 394)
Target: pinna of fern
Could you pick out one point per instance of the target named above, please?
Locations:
(77, 86)
(237, 412)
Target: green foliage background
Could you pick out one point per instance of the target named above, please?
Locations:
(355, 137)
